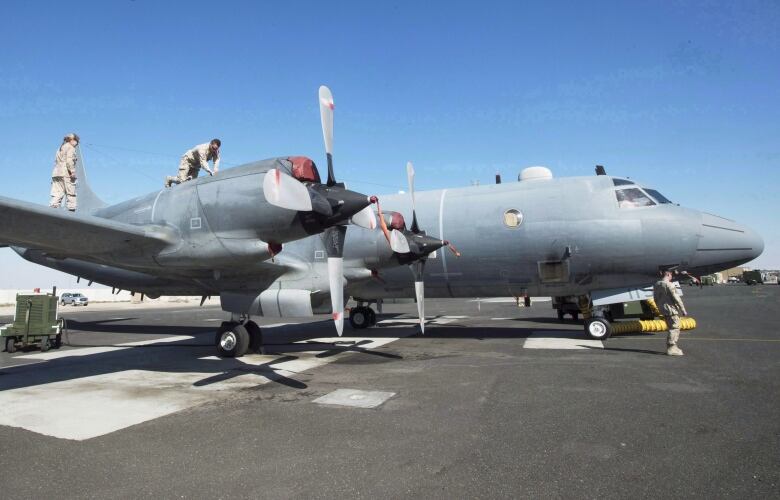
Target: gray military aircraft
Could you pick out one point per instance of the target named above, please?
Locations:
(601, 237)
(208, 234)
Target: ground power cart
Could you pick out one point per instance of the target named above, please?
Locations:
(35, 322)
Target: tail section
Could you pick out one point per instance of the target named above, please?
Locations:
(87, 200)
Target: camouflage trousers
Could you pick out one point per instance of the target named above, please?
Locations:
(186, 172)
(673, 323)
(63, 187)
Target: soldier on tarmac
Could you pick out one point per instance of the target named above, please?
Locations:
(195, 159)
(63, 177)
(672, 307)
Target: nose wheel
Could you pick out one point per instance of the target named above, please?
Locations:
(598, 328)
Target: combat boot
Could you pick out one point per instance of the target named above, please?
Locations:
(673, 350)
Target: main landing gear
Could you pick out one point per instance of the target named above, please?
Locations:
(236, 338)
(362, 317)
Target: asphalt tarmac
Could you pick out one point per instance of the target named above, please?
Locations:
(494, 401)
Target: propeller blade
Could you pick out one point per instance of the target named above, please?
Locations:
(419, 292)
(365, 218)
(410, 179)
(326, 116)
(335, 278)
(283, 191)
(398, 242)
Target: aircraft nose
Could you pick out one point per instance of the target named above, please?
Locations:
(723, 243)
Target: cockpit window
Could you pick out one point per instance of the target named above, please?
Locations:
(622, 182)
(658, 196)
(633, 197)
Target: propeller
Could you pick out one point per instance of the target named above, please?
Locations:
(326, 117)
(283, 191)
(334, 236)
(421, 246)
(321, 205)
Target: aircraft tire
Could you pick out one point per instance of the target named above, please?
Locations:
(371, 317)
(359, 317)
(598, 328)
(232, 340)
(255, 337)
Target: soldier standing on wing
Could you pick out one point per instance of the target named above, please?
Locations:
(63, 177)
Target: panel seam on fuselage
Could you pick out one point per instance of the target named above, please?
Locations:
(154, 205)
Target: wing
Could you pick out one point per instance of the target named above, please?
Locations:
(71, 234)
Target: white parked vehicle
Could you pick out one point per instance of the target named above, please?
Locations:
(75, 299)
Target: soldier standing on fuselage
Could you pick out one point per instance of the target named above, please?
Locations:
(672, 307)
(195, 159)
(63, 177)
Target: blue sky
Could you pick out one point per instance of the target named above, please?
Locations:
(683, 96)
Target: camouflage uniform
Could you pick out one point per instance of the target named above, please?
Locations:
(62, 183)
(191, 163)
(671, 306)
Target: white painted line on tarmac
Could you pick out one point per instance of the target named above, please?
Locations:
(561, 340)
(88, 351)
(509, 300)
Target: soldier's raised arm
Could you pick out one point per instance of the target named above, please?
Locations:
(203, 160)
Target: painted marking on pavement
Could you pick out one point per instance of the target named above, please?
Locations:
(561, 340)
(355, 398)
(440, 320)
(129, 390)
(88, 351)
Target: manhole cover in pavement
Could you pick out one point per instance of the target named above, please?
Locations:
(355, 398)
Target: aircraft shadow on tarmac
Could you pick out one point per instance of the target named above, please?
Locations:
(197, 356)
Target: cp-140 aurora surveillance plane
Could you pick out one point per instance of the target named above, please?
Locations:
(270, 239)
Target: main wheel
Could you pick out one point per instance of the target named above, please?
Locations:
(255, 337)
(10, 344)
(371, 317)
(232, 340)
(598, 328)
(359, 317)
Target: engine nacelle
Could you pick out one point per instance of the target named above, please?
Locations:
(284, 303)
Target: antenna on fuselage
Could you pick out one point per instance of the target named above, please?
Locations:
(498, 178)
(600, 170)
